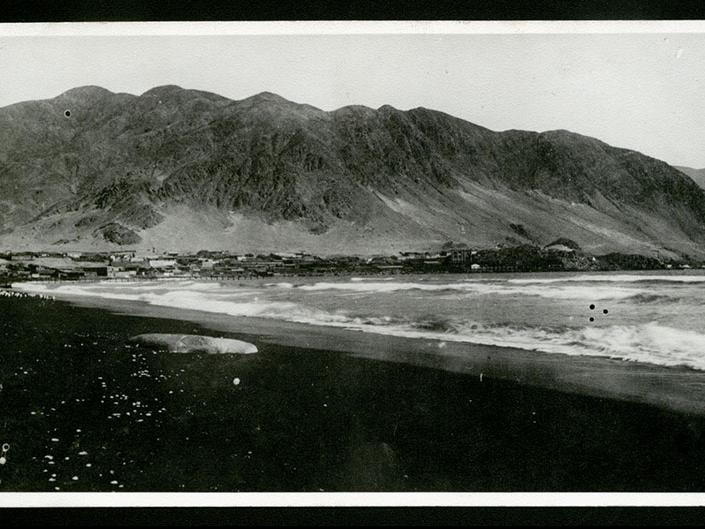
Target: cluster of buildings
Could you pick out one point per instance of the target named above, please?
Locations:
(129, 265)
(450, 257)
(215, 264)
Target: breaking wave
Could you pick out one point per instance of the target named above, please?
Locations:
(653, 298)
(480, 288)
(615, 278)
(651, 342)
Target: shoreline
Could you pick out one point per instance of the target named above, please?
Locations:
(311, 419)
(677, 388)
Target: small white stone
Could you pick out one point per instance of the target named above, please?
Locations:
(236, 381)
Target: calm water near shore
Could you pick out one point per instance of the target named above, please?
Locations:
(83, 409)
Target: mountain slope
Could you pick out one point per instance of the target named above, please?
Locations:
(697, 175)
(185, 169)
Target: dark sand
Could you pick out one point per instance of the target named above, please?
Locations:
(309, 416)
(673, 388)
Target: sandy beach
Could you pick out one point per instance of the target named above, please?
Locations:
(366, 413)
(674, 388)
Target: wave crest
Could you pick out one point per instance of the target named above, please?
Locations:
(650, 342)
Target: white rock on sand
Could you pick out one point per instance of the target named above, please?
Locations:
(192, 343)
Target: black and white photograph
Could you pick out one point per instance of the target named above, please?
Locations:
(337, 257)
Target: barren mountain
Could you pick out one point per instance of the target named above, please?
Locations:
(698, 175)
(177, 169)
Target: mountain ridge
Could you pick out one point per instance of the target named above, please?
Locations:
(697, 175)
(183, 167)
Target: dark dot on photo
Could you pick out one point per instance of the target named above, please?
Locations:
(605, 311)
(592, 307)
(67, 113)
(592, 319)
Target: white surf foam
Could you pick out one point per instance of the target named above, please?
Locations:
(650, 342)
(613, 278)
(579, 292)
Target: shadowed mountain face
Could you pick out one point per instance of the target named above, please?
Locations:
(698, 175)
(186, 170)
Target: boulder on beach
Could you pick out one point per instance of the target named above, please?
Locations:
(194, 343)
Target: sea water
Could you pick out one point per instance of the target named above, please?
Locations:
(653, 317)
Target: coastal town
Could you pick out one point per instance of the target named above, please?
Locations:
(222, 265)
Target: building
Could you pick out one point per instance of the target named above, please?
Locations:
(125, 255)
(460, 255)
(114, 272)
(68, 273)
(95, 270)
(409, 256)
(162, 263)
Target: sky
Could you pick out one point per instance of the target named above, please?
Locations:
(639, 91)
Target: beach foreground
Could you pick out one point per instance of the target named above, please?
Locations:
(85, 409)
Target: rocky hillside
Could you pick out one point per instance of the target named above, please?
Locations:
(698, 175)
(182, 169)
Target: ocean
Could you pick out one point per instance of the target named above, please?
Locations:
(652, 317)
